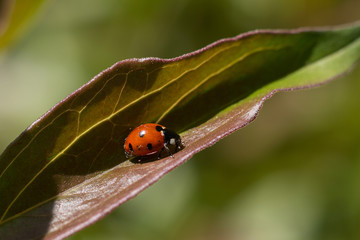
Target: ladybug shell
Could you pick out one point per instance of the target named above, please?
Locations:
(145, 140)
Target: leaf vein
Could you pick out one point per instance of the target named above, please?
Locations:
(212, 75)
(109, 119)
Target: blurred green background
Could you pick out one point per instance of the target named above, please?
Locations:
(293, 174)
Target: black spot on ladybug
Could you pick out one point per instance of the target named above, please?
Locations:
(158, 128)
(130, 147)
(149, 146)
(142, 133)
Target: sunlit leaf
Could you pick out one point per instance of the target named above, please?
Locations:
(68, 169)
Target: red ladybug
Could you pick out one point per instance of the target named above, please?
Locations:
(149, 139)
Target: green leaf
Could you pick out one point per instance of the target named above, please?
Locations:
(68, 169)
(14, 15)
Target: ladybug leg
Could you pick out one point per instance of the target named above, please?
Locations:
(128, 155)
(168, 150)
(159, 156)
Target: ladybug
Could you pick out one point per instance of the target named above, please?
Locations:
(149, 139)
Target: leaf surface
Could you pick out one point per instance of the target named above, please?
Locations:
(68, 169)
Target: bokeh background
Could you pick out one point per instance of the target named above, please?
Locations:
(292, 174)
